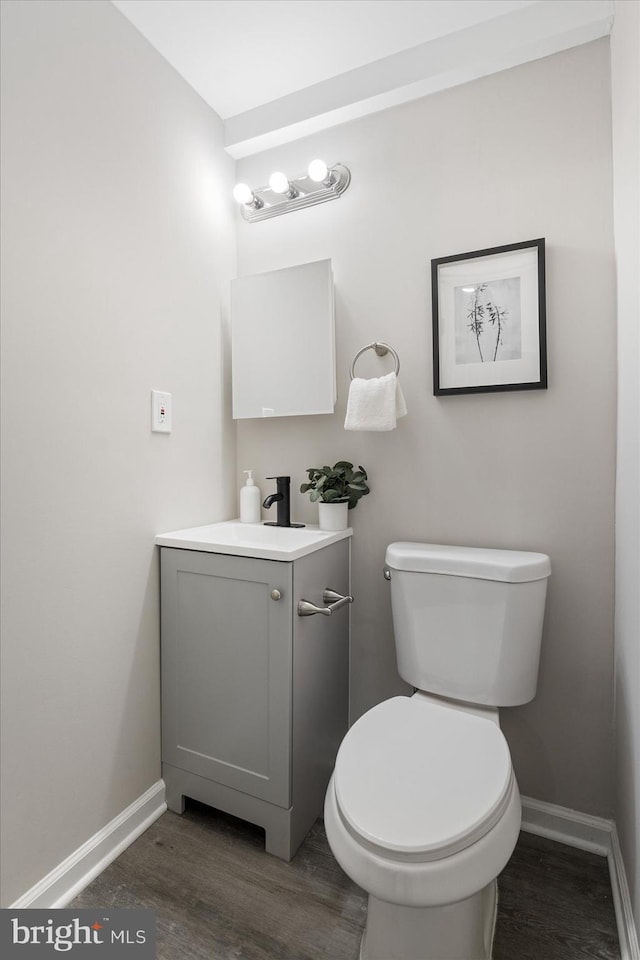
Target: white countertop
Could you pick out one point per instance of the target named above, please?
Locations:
(253, 539)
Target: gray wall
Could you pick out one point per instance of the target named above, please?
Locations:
(522, 154)
(625, 53)
(118, 245)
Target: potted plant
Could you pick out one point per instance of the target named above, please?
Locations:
(337, 490)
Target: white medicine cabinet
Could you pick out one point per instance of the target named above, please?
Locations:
(283, 342)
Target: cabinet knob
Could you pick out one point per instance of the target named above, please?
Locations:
(275, 594)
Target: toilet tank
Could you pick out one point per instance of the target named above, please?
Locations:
(468, 621)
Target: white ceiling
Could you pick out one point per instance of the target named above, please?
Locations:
(278, 69)
(240, 54)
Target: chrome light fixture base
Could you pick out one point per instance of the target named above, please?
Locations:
(309, 192)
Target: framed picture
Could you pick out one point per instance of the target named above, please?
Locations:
(489, 320)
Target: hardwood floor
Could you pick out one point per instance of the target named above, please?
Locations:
(218, 896)
(555, 904)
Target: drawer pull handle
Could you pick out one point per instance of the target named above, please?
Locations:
(330, 597)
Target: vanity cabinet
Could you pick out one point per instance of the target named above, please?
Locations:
(254, 696)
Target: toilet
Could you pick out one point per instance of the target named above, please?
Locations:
(423, 809)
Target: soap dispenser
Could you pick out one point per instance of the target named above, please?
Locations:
(250, 500)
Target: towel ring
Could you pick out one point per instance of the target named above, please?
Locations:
(381, 349)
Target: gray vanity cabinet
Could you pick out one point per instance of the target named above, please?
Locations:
(254, 697)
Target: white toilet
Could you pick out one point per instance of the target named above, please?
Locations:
(423, 809)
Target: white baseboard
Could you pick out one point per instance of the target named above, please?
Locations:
(596, 835)
(71, 876)
(567, 826)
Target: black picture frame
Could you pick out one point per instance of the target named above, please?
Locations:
(489, 320)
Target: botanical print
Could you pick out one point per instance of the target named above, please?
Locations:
(488, 322)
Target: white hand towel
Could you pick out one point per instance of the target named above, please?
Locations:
(374, 404)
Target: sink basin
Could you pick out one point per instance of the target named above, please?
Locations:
(253, 540)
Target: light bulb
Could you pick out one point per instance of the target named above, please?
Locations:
(278, 182)
(318, 170)
(242, 193)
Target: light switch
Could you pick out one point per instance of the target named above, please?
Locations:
(160, 411)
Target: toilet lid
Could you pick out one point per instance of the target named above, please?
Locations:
(420, 780)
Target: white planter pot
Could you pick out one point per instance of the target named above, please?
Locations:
(333, 516)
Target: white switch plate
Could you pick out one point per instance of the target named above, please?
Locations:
(160, 411)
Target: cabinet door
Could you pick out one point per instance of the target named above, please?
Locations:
(283, 343)
(226, 670)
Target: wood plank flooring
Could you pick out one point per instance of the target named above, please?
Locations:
(555, 904)
(219, 896)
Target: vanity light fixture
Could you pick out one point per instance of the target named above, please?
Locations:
(282, 195)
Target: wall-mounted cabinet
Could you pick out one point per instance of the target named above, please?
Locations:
(283, 342)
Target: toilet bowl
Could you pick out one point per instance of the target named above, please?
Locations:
(423, 809)
(423, 812)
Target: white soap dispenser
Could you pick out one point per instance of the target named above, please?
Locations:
(250, 500)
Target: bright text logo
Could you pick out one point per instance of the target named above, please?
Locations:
(36, 934)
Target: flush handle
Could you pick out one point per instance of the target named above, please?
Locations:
(331, 598)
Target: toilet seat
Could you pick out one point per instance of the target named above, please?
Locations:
(419, 781)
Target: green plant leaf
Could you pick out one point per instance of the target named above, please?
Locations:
(338, 483)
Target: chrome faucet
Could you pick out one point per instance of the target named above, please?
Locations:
(283, 498)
